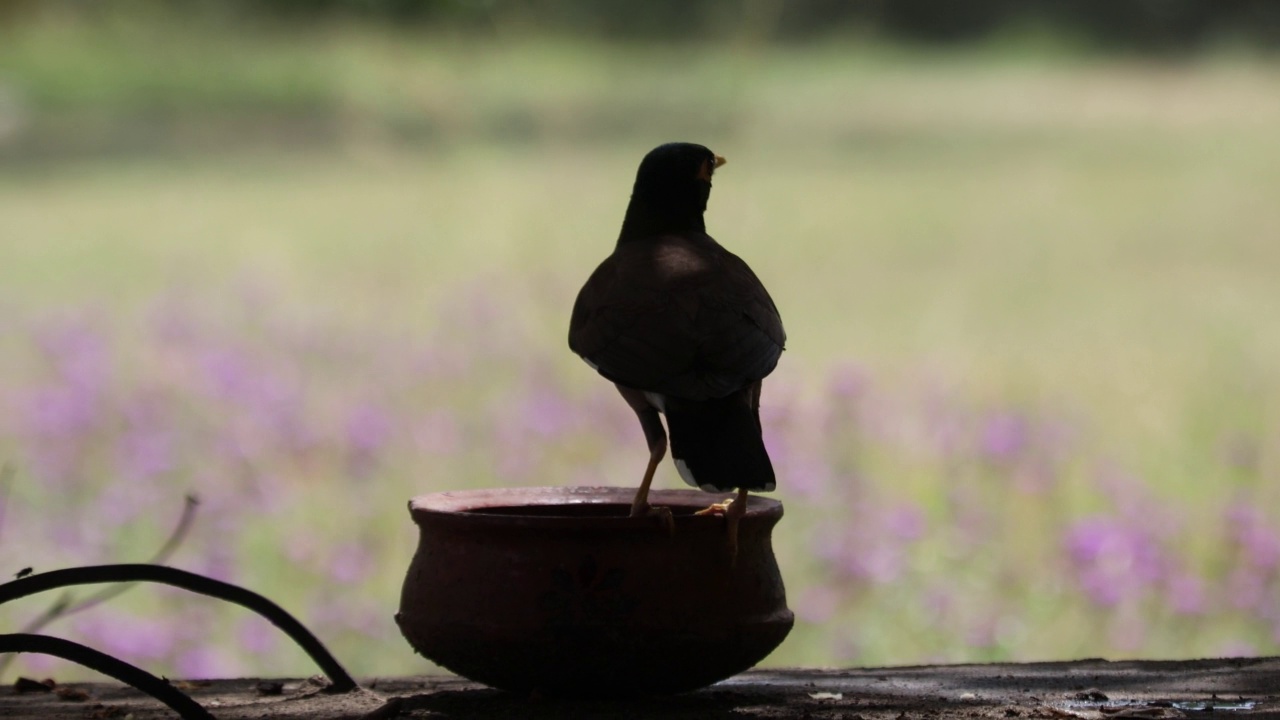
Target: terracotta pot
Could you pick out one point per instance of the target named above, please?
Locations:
(556, 590)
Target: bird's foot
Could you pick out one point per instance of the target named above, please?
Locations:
(663, 514)
(732, 510)
(720, 508)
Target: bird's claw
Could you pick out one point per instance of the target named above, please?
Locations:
(720, 508)
(663, 514)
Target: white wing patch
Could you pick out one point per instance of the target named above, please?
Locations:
(687, 475)
(659, 402)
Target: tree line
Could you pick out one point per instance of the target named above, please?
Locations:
(1152, 25)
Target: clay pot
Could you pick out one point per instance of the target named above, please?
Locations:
(556, 591)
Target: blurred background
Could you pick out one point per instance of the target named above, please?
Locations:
(307, 259)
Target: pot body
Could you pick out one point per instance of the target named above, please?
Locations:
(558, 591)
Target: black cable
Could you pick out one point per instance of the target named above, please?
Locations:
(340, 680)
(132, 675)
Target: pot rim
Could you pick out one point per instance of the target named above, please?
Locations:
(473, 503)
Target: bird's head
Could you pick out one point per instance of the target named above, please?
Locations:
(671, 190)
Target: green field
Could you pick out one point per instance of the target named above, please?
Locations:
(1075, 241)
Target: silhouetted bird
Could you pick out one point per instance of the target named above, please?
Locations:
(683, 328)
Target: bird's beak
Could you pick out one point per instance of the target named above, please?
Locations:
(705, 170)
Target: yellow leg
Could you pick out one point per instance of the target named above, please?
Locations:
(732, 517)
(640, 506)
(732, 509)
(656, 437)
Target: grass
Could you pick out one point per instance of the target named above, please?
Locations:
(1074, 241)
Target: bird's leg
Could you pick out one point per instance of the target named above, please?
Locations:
(656, 437)
(732, 517)
(732, 509)
(640, 506)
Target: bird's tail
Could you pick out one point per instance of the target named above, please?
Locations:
(717, 444)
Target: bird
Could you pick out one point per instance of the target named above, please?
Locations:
(684, 329)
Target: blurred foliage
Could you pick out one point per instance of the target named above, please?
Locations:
(88, 78)
(1139, 24)
(1145, 25)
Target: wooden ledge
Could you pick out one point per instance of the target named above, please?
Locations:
(1087, 689)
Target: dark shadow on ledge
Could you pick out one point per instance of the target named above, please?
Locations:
(711, 704)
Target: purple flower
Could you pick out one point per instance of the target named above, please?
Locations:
(1128, 494)
(881, 563)
(127, 636)
(206, 661)
(1113, 559)
(1259, 543)
(945, 431)
(77, 352)
(63, 411)
(775, 425)
(257, 636)
(121, 503)
(1261, 546)
(871, 544)
(984, 633)
(806, 477)
(350, 562)
(1004, 437)
(610, 418)
(1246, 589)
(368, 430)
(144, 454)
(777, 415)
(146, 447)
(1187, 594)
(905, 522)
(817, 604)
(546, 413)
(348, 614)
(229, 374)
(218, 561)
(33, 664)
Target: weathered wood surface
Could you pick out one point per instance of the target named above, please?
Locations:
(1088, 690)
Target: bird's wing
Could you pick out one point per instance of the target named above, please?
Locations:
(677, 315)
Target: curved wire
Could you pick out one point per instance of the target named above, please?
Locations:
(340, 680)
(157, 688)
